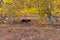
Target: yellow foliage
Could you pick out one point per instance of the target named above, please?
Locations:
(33, 10)
(7, 1)
(25, 10)
(31, 7)
(16, 4)
(0, 9)
(29, 10)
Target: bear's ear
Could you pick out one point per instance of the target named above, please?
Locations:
(23, 20)
(29, 20)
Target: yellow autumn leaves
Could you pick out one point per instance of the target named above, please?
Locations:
(7, 1)
(17, 4)
(30, 7)
(33, 9)
(30, 10)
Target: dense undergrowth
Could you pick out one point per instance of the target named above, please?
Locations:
(42, 8)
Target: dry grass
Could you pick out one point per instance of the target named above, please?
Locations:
(30, 31)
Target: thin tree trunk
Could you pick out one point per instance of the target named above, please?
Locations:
(9, 14)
